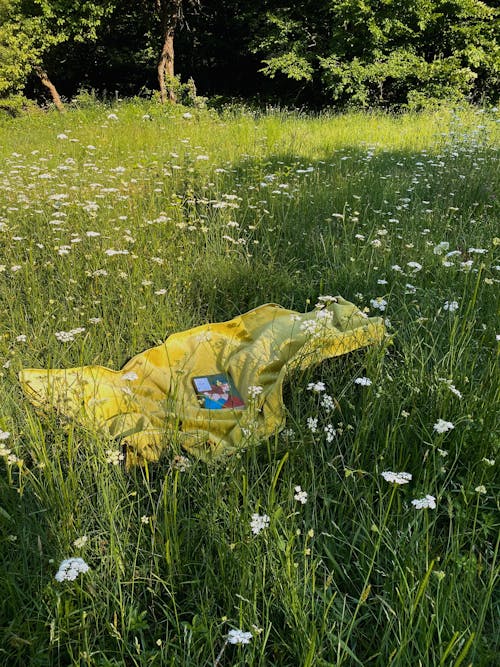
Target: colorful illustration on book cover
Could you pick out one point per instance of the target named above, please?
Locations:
(217, 392)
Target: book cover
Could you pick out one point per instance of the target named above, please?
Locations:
(217, 392)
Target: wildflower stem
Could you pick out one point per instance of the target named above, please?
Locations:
(221, 653)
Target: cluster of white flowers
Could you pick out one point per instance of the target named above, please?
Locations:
(114, 456)
(489, 462)
(111, 252)
(428, 502)
(452, 387)
(397, 477)
(414, 266)
(379, 303)
(310, 327)
(4, 450)
(259, 522)
(70, 568)
(254, 391)
(80, 542)
(316, 386)
(327, 402)
(363, 381)
(312, 424)
(180, 463)
(10, 458)
(441, 426)
(326, 299)
(330, 433)
(238, 637)
(68, 336)
(441, 247)
(300, 496)
(450, 306)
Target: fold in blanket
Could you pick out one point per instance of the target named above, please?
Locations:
(158, 395)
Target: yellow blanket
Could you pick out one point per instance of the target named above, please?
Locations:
(152, 399)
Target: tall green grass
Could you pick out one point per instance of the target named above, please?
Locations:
(219, 213)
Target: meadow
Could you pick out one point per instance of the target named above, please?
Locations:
(122, 224)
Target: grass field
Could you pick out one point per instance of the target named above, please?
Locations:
(122, 225)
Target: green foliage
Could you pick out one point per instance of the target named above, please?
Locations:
(16, 48)
(30, 30)
(386, 53)
(389, 53)
(185, 93)
(15, 105)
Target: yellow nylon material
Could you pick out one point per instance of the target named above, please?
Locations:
(151, 400)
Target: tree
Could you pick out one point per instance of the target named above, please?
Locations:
(170, 14)
(30, 30)
(383, 52)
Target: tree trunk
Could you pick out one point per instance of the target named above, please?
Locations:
(166, 67)
(170, 12)
(56, 98)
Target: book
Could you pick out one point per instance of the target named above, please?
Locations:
(217, 392)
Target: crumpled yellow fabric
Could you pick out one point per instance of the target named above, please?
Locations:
(151, 400)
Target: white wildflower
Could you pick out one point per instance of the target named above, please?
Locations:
(330, 433)
(68, 336)
(300, 496)
(4, 450)
(4, 435)
(238, 637)
(130, 376)
(254, 391)
(310, 327)
(80, 542)
(396, 477)
(259, 522)
(327, 402)
(316, 386)
(429, 502)
(441, 426)
(379, 303)
(181, 463)
(114, 456)
(480, 489)
(312, 424)
(70, 568)
(363, 381)
(414, 266)
(450, 306)
(441, 247)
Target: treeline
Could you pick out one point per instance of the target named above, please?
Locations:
(385, 53)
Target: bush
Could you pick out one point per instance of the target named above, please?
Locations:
(15, 105)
